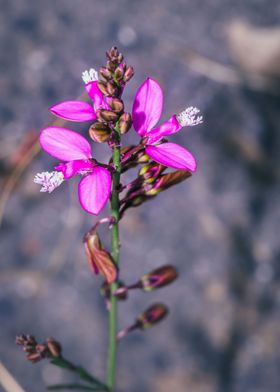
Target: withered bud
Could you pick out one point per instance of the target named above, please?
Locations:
(54, 347)
(159, 277)
(116, 105)
(107, 115)
(106, 73)
(167, 180)
(112, 89)
(125, 122)
(99, 132)
(152, 316)
(128, 74)
(103, 87)
(99, 259)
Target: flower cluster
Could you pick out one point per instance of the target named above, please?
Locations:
(106, 112)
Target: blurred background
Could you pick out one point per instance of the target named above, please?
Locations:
(220, 228)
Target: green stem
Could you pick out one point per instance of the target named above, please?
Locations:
(113, 312)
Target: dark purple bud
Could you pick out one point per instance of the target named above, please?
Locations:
(116, 105)
(159, 277)
(103, 87)
(152, 316)
(107, 115)
(112, 89)
(125, 122)
(99, 132)
(128, 74)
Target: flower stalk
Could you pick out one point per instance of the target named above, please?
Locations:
(115, 250)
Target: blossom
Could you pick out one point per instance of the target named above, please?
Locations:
(82, 111)
(146, 112)
(95, 186)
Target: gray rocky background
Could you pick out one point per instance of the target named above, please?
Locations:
(220, 228)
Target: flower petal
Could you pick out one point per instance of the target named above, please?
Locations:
(96, 95)
(172, 155)
(64, 144)
(147, 106)
(170, 126)
(94, 190)
(74, 111)
(70, 169)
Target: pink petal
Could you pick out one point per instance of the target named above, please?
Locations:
(169, 127)
(94, 190)
(147, 107)
(64, 144)
(172, 155)
(96, 95)
(72, 168)
(74, 111)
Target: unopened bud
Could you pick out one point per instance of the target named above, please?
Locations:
(99, 132)
(142, 157)
(152, 316)
(54, 347)
(103, 87)
(41, 349)
(160, 277)
(34, 357)
(111, 65)
(105, 72)
(112, 89)
(167, 180)
(125, 122)
(116, 105)
(128, 74)
(107, 115)
(119, 72)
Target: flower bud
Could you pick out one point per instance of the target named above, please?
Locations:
(116, 105)
(128, 74)
(159, 277)
(112, 89)
(125, 122)
(152, 316)
(103, 87)
(107, 115)
(119, 72)
(34, 357)
(105, 72)
(142, 157)
(111, 66)
(99, 132)
(54, 347)
(99, 259)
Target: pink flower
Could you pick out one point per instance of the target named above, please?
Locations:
(94, 188)
(146, 112)
(82, 111)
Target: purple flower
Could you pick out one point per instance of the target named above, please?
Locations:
(82, 111)
(94, 188)
(146, 112)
